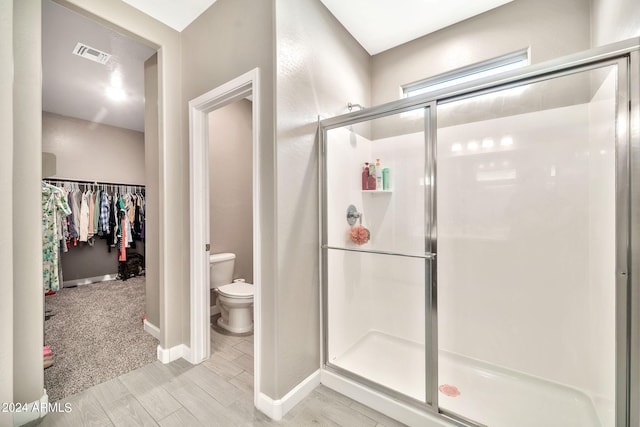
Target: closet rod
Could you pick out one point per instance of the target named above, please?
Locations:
(81, 181)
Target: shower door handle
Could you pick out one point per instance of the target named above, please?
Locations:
(427, 255)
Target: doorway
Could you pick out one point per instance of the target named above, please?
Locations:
(98, 148)
(244, 86)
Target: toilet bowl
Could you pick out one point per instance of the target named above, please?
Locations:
(221, 268)
(235, 301)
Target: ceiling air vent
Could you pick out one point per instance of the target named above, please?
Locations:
(88, 52)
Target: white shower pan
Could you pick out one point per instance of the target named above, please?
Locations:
(489, 394)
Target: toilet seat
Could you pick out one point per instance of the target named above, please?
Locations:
(237, 290)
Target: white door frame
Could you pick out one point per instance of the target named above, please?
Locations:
(241, 87)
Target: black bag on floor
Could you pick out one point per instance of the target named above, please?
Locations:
(133, 266)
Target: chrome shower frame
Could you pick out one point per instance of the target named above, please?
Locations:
(625, 56)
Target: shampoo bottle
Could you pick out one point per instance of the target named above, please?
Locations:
(372, 177)
(378, 175)
(386, 183)
(365, 177)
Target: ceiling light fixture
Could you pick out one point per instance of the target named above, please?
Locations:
(116, 93)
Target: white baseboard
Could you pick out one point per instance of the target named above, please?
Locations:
(168, 355)
(151, 329)
(89, 280)
(33, 411)
(276, 409)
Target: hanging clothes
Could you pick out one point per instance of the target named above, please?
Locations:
(91, 200)
(96, 213)
(54, 208)
(112, 237)
(73, 233)
(137, 222)
(84, 216)
(99, 210)
(104, 213)
(76, 203)
(122, 242)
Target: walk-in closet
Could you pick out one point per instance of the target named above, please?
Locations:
(95, 203)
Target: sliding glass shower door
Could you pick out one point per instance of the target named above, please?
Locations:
(527, 212)
(377, 253)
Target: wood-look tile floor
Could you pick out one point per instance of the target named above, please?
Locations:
(218, 392)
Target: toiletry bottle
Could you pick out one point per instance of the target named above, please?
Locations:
(365, 177)
(378, 175)
(372, 177)
(385, 179)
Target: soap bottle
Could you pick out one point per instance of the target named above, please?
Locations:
(378, 175)
(365, 177)
(386, 184)
(372, 177)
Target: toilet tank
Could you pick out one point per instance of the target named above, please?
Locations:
(221, 269)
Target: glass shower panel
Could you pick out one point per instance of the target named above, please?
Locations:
(376, 265)
(395, 217)
(526, 253)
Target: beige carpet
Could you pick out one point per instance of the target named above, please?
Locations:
(96, 334)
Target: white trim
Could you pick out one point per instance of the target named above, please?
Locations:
(89, 280)
(246, 85)
(168, 355)
(392, 408)
(151, 329)
(34, 410)
(276, 409)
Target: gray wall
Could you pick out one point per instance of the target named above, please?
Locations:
(614, 20)
(89, 151)
(48, 164)
(28, 375)
(551, 28)
(27, 322)
(229, 39)
(231, 185)
(85, 261)
(152, 159)
(320, 68)
(6, 214)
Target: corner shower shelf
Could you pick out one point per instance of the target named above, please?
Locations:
(377, 191)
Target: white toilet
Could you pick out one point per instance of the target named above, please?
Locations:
(234, 299)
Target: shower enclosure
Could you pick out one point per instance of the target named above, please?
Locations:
(489, 282)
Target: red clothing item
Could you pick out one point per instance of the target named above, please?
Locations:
(123, 241)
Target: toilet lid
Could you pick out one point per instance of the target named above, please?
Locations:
(237, 289)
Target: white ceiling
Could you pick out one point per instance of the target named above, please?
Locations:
(176, 14)
(76, 87)
(379, 25)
